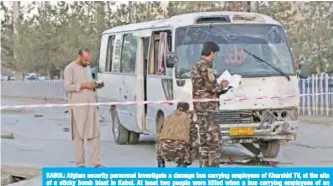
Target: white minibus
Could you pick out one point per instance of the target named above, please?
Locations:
(260, 113)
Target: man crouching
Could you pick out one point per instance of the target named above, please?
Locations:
(173, 140)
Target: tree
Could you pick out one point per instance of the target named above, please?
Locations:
(183, 7)
(148, 11)
(49, 40)
(8, 39)
(309, 29)
(316, 32)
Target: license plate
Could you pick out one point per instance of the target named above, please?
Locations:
(241, 132)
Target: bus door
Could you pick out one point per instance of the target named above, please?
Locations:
(141, 81)
(159, 81)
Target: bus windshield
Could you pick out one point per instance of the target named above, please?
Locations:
(237, 42)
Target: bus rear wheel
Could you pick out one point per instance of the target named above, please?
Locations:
(133, 138)
(120, 133)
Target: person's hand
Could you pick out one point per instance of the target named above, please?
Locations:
(89, 85)
(224, 83)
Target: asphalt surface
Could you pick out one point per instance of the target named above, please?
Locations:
(40, 140)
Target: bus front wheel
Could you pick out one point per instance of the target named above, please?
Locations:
(159, 121)
(120, 133)
(270, 149)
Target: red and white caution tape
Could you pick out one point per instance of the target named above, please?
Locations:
(236, 99)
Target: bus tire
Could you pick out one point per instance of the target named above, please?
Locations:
(159, 121)
(120, 133)
(270, 149)
(134, 138)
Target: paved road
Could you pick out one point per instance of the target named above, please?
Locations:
(41, 141)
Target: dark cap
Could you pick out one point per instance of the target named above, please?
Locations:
(184, 107)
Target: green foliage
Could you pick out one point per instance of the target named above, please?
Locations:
(310, 28)
(45, 42)
(49, 39)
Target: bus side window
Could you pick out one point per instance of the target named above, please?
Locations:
(153, 55)
(156, 45)
(108, 66)
(116, 51)
(156, 55)
(128, 53)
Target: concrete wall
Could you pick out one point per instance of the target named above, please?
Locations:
(40, 89)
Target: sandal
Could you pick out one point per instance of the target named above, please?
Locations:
(98, 166)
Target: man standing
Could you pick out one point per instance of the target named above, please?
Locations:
(78, 82)
(205, 86)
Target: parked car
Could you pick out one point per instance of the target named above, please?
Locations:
(34, 76)
(4, 78)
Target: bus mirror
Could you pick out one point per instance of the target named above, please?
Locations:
(171, 59)
(304, 71)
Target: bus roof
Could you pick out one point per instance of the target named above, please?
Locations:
(188, 19)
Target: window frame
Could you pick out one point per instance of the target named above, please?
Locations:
(153, 63)
(122, 50)
(109, 54)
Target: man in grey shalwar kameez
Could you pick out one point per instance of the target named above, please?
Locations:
(79, 84)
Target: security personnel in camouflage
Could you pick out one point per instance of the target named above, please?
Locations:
(194, 136)
(205, 86)
(174, 138)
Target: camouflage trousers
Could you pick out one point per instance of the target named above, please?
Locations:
(175, 151)
(194, 139)
(210, 140)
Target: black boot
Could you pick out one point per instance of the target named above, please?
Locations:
(161, 163)
(181, 165)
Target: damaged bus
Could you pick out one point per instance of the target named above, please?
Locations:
(134, 66)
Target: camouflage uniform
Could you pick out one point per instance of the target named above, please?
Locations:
(174, 150)
(173, 140)
(194, 136)
(210, 138)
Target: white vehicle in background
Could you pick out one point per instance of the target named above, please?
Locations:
(34, 76)
(4, 78)
(134, 67)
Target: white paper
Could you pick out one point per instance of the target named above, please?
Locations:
(233, 80)
(225, 76)
(99, 81)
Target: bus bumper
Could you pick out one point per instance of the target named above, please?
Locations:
(255, 132)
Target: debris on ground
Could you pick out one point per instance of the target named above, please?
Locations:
(38, 115)
(7, 135)
(65, 129)
(250, 161)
